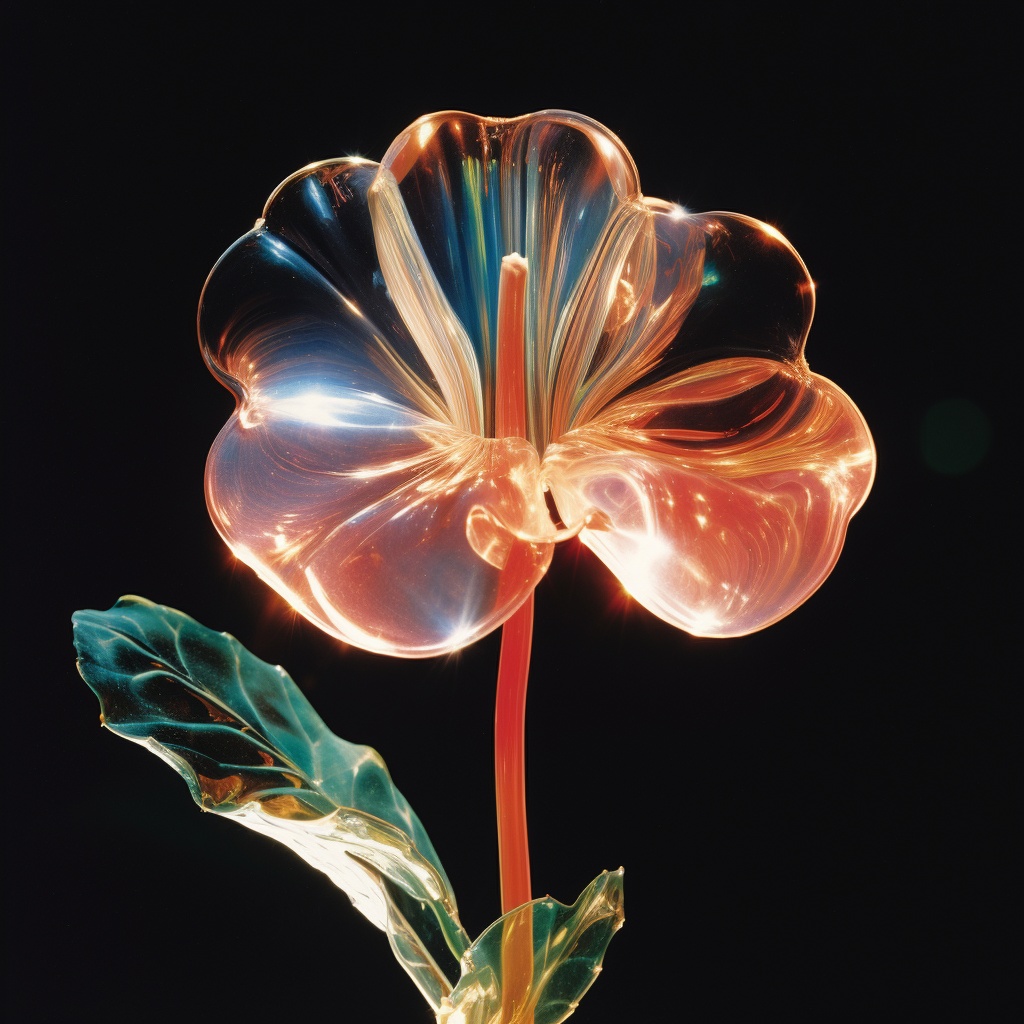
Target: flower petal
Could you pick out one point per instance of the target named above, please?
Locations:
(356, 326)
(339, 478)
(756, 298)
(721, 497)
(301, 297)
(393, 535)
(630, 311)
(691, 289)
(458, 192)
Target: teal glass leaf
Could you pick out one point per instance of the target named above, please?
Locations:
(251, 747)
(568, 946)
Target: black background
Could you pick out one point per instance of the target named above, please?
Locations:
(816, 821)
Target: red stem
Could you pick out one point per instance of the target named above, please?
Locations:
(510, 757)
(513, 670)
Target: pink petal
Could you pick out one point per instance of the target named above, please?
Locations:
(396, 536)
(721, 497)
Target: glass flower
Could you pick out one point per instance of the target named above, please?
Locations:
(449, 361)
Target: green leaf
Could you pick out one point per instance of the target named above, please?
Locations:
(568, 946)
(251, 747)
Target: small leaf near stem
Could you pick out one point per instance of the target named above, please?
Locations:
(513, 671)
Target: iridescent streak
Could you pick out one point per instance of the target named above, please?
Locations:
(484, 271)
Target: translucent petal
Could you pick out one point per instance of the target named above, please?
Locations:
(430, 539)
(301, 299)
(339, 478)
(692, 288)
(458, 192)
(755, 299)
(721, 497)
(629, 312)
(357, 326)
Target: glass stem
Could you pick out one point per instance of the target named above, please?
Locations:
(513, 671)
(510, 757)
(510, 787)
